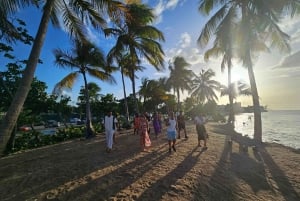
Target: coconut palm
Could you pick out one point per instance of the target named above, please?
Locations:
(235, 89)
(223, 46)
(256, 28)
(76, 14)
(85, 58)
(203, 88)
(135, 37)
(180, 77)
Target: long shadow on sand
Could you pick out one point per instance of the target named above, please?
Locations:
(218, 185)
(164, 184)
(107, 181)
(39, 171)
(250, 170)
(284, 185)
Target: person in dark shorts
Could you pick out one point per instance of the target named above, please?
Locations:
(201, 130)
(181, 124)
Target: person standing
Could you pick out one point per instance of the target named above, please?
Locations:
(201, 130)
(171, 131)
(181, 124)
(145, 141)
(156, 124)
(110, 126)
(136, 124)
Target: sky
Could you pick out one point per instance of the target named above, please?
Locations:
(277, 74)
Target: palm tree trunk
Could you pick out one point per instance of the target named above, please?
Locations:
(178, 99)
(125, 96)
(15, 108)
(133, 91)
(256, 106)
(89, 127)
(230, 96)
(247, 60)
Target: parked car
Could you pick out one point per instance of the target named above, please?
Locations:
(52, 123)
(75, 121)
(25, 128)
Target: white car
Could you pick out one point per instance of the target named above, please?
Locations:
(52, 123)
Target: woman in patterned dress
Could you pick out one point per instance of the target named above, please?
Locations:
(144, 136)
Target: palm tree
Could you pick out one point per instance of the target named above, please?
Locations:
(256, 28)
(76, 15)
(180, 77)
(135, 37)
(223, 45)
(153, 93)
(203, 87)
(86, 58)
(235, 89)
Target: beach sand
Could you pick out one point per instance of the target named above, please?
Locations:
(82, 170)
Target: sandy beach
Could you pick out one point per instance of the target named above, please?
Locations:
(82, 170)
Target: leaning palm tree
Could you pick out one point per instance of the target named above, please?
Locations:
(203, 88)
(138, 39)
(76, 14)
(256, 29)
(180, 77)
(85, 58)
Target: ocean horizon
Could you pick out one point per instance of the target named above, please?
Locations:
(278, 126)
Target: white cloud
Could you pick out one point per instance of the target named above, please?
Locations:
(185, 40)
(172, 4)
(164, 5)
(291, 61)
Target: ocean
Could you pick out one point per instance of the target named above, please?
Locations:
(278, 126)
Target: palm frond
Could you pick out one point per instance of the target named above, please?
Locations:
(66, 83)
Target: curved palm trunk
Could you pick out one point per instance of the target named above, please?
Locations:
(125, 96)
(256, 106)
(15, 108)
(89, 127)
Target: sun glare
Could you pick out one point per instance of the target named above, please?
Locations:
(239, 74)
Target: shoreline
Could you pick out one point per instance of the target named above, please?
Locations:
(81, 170)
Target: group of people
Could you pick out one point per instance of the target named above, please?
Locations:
(141, 127)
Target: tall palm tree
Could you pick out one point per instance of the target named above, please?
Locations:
(76, 15)
(180, 77)
(256, 29)
(223, 46)
(203, 88)
(138, 39)
(84, 58)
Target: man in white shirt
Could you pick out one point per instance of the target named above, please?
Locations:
(110, 125)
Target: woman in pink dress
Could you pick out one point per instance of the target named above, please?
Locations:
(144, 136)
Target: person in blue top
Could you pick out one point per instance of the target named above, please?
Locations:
(171, 131)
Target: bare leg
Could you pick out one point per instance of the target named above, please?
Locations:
(173, 146)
